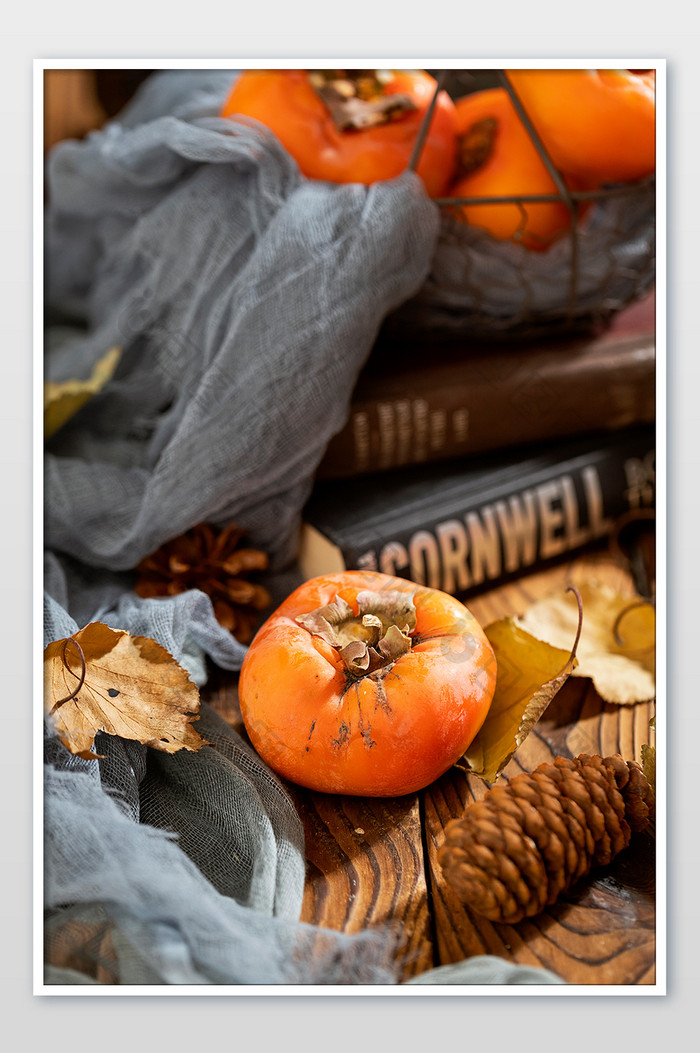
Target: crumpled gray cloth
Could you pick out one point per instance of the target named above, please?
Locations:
(486, 969)
(245, 300)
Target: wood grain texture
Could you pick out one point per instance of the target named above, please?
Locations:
(365, 868)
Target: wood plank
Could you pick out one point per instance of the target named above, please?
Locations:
(365, 868)
(221, 693)
(364, 856)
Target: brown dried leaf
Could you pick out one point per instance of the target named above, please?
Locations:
(530, 672)
(131, 687)
(616, 649)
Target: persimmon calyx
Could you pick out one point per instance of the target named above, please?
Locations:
(475, 146)
(355, 99)
(375, 637)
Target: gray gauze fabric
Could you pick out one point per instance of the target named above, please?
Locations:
(482, 287)
(245, 300)
(487, 970)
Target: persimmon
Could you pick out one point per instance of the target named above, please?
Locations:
(362, 683)
(497, 158)
(352, 126)
(597, 124)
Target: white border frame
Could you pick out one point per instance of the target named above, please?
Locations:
(579, 62)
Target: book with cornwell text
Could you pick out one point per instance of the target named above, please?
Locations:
(438, 398)
(465, 524)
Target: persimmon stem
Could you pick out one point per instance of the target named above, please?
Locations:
(81, 678)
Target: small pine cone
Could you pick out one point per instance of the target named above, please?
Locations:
(523, 844)
(211, 560)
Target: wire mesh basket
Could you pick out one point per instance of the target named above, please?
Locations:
(484, 286)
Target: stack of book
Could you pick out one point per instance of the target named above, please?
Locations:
(461, 466)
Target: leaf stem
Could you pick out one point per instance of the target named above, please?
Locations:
(81, 678)
(577, 594)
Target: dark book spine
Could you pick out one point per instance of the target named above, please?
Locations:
(525, 527)
(438, 410)
(399, 430)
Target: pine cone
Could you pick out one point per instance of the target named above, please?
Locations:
(209, 559)
(523, 844)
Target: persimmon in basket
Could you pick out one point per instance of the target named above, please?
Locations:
(497, 158)
(366, 684)
(352, 126)
(597, 124)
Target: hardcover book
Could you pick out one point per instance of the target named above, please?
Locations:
(462, 525)
(433, 400)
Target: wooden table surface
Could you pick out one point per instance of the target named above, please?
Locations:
(371, 861)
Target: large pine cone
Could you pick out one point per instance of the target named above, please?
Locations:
(518, 848)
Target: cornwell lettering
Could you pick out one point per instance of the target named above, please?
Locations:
(508, 535)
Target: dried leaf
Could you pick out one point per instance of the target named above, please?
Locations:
(103, 679)
(616, 649)
(62, 400)
(530, 672)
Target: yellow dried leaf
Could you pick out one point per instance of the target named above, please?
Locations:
(63, 399)
(616, 649)
(530, 672)
(103, 679)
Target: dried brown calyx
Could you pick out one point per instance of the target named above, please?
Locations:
(476, 145)
(373, 638)
(355, 98)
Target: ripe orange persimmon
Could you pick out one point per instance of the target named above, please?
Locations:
(385, 116)
(362, 683)
(499, 159)
(597, 124)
